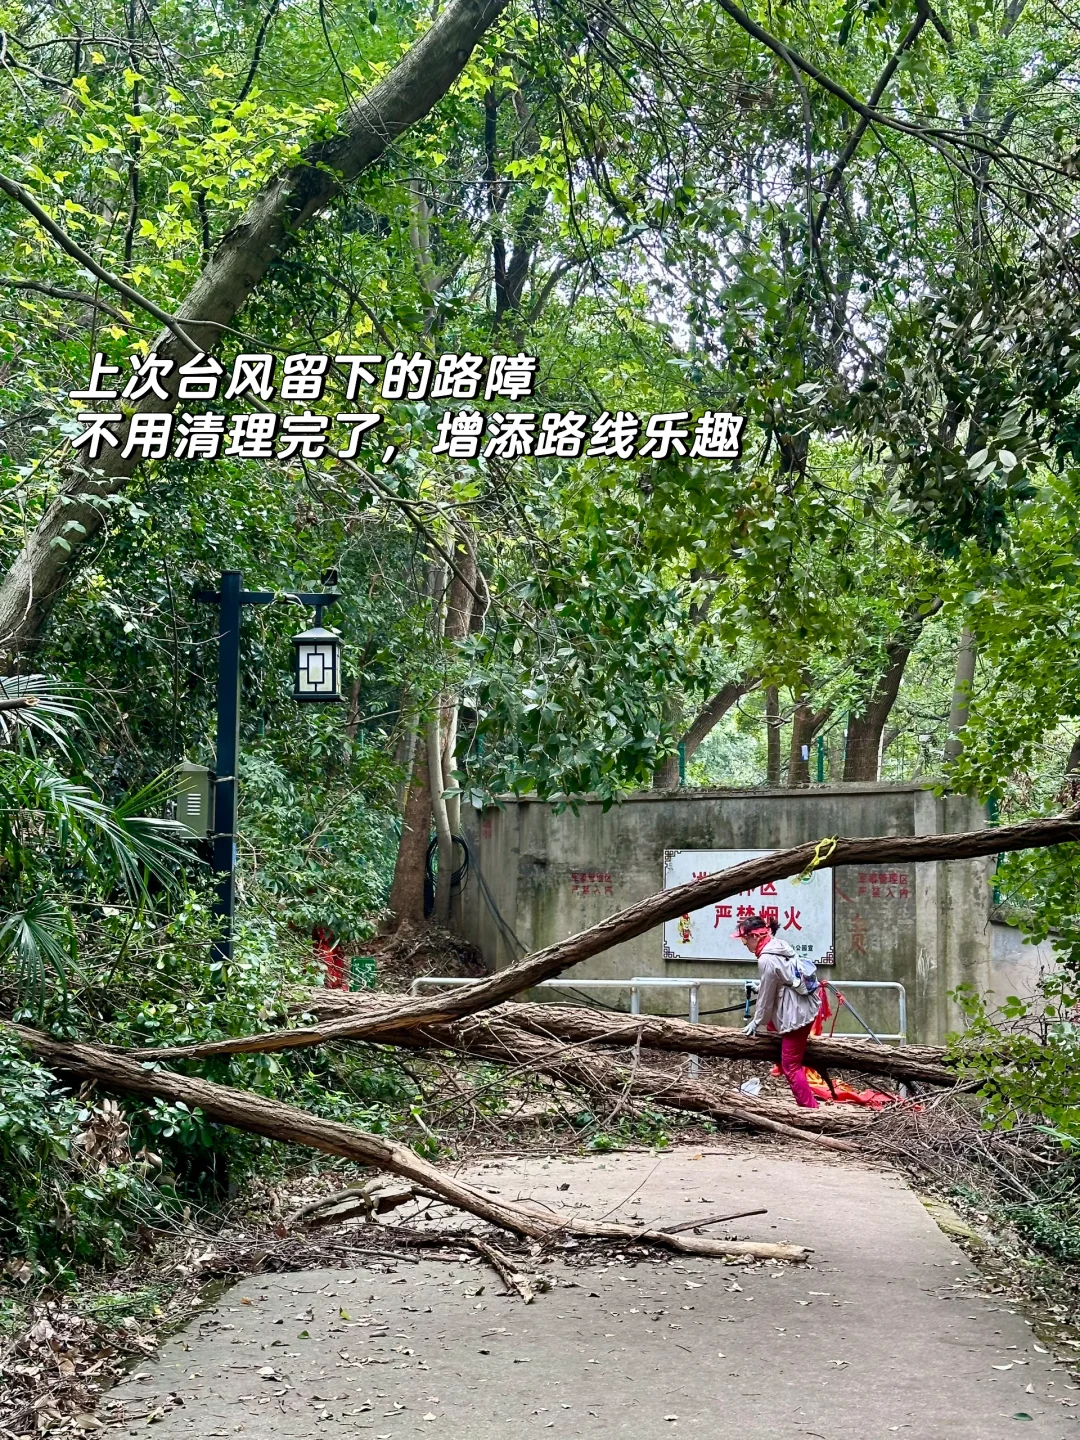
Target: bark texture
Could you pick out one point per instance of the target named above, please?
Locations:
(495, 1036)
(460, 600)
(637, 919)
(961, 696)
(237, 267)
(865, 730)
(406, 902)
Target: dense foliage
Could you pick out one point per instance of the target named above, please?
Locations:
(676, 209)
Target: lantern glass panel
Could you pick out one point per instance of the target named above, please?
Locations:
(317, 674)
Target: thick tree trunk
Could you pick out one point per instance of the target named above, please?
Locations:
(707, 718)
(772, 736)
(264, 232)
(644, 916)
(805, 724)
(406, 901)
(459, 610)
(961, 697)
(259, 1115)
(573, 1025)
(865, 730)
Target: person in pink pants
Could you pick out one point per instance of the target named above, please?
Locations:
(780, 1006)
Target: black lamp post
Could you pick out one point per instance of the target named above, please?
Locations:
(317, 676)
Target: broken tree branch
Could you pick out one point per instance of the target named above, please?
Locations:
(513, 1279)
(584, 1069)
(495, 1036)
(713, 1220)
(259, 1115)
(636, 920)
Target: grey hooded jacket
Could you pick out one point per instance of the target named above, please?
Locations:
(777, 1000)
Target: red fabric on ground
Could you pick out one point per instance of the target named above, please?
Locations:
(845, 1095)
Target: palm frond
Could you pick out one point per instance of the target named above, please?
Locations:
(39, 941)
(117, 843)
(35, 704)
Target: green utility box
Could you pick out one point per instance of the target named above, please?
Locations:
(195, 798)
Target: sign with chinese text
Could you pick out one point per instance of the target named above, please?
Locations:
(803, 909)
(591, 882)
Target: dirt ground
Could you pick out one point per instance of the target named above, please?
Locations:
(887, 1331)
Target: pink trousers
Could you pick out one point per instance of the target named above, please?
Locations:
(792, 1050)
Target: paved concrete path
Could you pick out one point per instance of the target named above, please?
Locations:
(886, 1333)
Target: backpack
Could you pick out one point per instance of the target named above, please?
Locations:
(802, 975)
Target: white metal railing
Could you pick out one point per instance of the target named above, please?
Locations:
(694, 985)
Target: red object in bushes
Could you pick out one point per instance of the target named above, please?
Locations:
(331, 953)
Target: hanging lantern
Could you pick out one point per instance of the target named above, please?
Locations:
(317, 666)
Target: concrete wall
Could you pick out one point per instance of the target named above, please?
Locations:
(521, 890)
(1017, 966)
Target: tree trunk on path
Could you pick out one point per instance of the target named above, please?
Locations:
(259, 1115)
(706, 720)
(644, 916)
(238, 266)
(575, 1025)
(865, 730)
(606, 1081)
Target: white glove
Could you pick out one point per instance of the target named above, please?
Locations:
(750, 1029)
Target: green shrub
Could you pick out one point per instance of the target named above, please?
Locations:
(69, 1190)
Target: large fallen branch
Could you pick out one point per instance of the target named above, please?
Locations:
(260, 1115)
(584, 1068)
(576, 1024)
(639, 918)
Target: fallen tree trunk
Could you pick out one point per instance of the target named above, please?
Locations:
(584, 1068)
(260, 1115)
(574, 1023)
(637, 919)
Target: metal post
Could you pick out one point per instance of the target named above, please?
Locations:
(230, 600)
(682, 762)
(695, 1016)
(994, 815)
(821, 759)
(635, 1000)
(228, 749)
